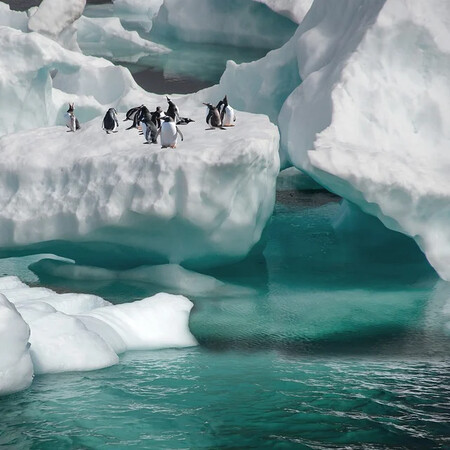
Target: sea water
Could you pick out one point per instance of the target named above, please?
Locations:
(318, 340)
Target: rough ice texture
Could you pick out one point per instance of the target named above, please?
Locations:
(119, 202)
(74, 332)
(370, 121)
(16, 368)
(138, 12)
(53, 16)
(107, 37)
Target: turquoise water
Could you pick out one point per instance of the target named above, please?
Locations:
(324, 340)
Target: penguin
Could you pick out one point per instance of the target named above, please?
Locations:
(131, 113)
(151, 123)
(172, 110)
(135, 115)
(169, 132)
(71, 121)
(110, 122)
(213, 117)
(143, 118)
(227, 115)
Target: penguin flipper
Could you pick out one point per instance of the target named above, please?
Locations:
(77, 124)
(209, 116)
(180, 133)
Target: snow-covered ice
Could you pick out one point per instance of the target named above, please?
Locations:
(203, 203)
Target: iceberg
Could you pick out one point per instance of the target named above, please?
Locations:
(77, 332)
(359, 94)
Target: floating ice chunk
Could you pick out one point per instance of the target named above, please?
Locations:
(160, 321)
(16, 368)
(118, 201)
(106, 37)
(89, 336)
(13, 19)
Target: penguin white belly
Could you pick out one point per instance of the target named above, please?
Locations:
(168, 134)
(229, 118)
(144, 128)
(70, 121)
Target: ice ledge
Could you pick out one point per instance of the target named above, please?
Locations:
(110, 200)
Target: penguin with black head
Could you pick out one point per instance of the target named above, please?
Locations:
(110, 121)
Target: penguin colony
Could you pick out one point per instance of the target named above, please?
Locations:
(158, 123)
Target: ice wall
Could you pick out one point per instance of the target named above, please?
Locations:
(369, 120)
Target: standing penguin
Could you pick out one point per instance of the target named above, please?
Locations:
(151, 123)
(213, 117)
(227, 115)
(169, 132)
(131, 113)
(71, 121)
(110, 122)
(172, 110)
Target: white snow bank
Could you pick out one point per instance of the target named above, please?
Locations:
(117, 200)
(16, 368)
(75, 332)
(370, 121)
(106, 37)
(137, 12)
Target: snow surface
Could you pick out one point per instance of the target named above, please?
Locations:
(360, 95)
(204, 203)
(76, 332)
(16, 368)
(13, 19)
